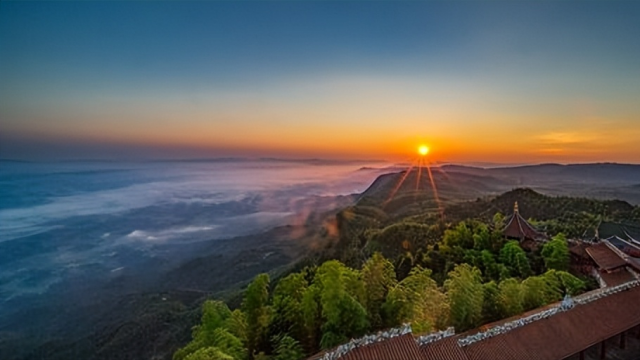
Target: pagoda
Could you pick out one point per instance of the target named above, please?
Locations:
(520, 229)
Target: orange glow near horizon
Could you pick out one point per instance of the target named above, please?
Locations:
(273, 134)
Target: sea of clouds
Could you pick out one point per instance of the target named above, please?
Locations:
(60, 218)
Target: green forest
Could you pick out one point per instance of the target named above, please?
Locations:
(323, 306)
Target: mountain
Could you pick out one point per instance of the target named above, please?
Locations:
(454, 183)
(598, 180)
(423, 186)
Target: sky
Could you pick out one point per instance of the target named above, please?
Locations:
(496, 81)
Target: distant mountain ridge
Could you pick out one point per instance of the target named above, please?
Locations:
(453, 183)
(595, 172)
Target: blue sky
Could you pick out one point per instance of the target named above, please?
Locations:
(280, 78)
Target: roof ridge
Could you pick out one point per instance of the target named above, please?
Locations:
(615, 249)
(366, 340)
(519, 218)
(628, 242)
(435, 336)
(510, 221)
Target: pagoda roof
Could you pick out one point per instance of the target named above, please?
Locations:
(519, 228)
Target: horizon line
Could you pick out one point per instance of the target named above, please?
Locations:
(475, 164)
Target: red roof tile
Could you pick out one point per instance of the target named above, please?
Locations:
(616, 278)
(565, 333)
(402, 347)
(445, 349)
(605, 257)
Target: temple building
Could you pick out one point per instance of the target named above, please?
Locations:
(626, 231)
(580, 261)
(613, 267)
(520, 229)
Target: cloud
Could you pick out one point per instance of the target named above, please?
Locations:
(566, 138)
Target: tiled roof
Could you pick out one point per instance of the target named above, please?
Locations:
(605, 257)
(625, 246)
(579, 249)
(402, 347)
(445, 349)
(617, 277)
(625, 230)
(554, 338)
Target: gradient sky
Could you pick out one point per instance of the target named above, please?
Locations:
(492, 81)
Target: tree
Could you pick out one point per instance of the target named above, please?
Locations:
(536, 292)
(465, 294)
(208, 353)
(212, 333)
(498, 221)
(556, 253)
(286, 348)
(214, 315)
(491, 310)
(288, 315)
(378, 275)
(461, 236)
(417, 300)
(254, 306)
(511, 297)
(515, 259)
(343, 315)
(228, 344)
(312, 315)
(236, 323)
(563, 283)
(491, 269)
(482, 238)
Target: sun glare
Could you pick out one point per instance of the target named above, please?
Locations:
(423, 150)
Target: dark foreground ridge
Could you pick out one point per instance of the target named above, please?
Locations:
(559, 331)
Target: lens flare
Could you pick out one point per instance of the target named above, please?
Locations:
(417, 165)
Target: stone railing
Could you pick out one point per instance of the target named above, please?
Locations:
(366, 340)
(600, 293)
(429, 338)
(501, 329)
(596, 274)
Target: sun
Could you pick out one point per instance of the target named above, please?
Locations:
(423, 150)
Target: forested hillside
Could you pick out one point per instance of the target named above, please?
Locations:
(431, 267)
